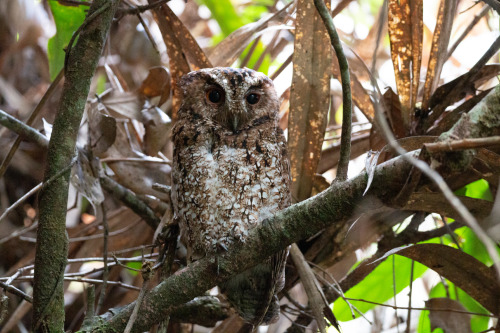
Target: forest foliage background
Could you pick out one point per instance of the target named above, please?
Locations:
(383, 242)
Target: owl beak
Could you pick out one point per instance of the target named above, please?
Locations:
(235, 123)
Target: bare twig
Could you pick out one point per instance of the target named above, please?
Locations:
(15, 291)
(345, 149)
(473, 143)
(30, 121)
(476, 19)
(315, 295)
(104, 259)
(422, 309)
(147, 273)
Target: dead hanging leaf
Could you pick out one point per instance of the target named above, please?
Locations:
(226, 52)
(115, 78)
(437, 203)
(405, 33)
(193, 52)
(449, 321)
(122, 104)
(309, 98)
(330, 156)
(465, 271)
(157, 83)
(86, 181)
(102, 129)
(359, 95)
(284, 109)
(177, 59)
(448, 119)
(439, 49)
(393, 107)
(157, 125)
(409, 143)
(485, 74)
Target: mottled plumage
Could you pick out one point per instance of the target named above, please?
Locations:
(230, 171)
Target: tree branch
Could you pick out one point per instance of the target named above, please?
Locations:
(52, 240)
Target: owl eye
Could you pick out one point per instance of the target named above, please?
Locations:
(214, 96)
(253, 98)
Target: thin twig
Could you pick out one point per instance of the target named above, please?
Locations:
(18, 233)
(287, 62)
(36, 189)
(422, 309)
(30, 121)
(493, 4)
(24, 131)
(476, 19)
(146, 275)
(461, 144)
(345, 146)
(135, 10)
(408, 317)
(105, 272)
(394, 290)
(17, 292)
(79, 279)
(18, 202)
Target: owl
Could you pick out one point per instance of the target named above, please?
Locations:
(230, 171)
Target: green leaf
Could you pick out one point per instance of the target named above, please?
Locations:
(480, 189)
(67, 19)
(378, 286)
(229, 20)
(225, 14)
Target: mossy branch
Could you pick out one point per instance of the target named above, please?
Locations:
(52, 240)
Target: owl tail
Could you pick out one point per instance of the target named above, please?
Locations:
(253, 293)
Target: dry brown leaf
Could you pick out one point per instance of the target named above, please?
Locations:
(449, 321)
(437, 203)
(400, 34)
(157, 125)
(485, 74)
(330, 156)
(157, 83)
(309, 98)
(177, 58)
(102, 129)
(226, 52)
(87, 183)
(122, 104)
(359, 95)
(393, 108)
(465, 271)
(194, 54)
(439, 49)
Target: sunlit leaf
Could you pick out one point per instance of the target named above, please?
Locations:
(67, 19)
(378, 286)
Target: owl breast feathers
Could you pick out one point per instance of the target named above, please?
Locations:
(231, 171)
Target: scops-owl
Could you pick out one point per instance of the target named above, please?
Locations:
(230, 171)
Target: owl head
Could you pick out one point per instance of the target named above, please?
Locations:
(232, 98)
